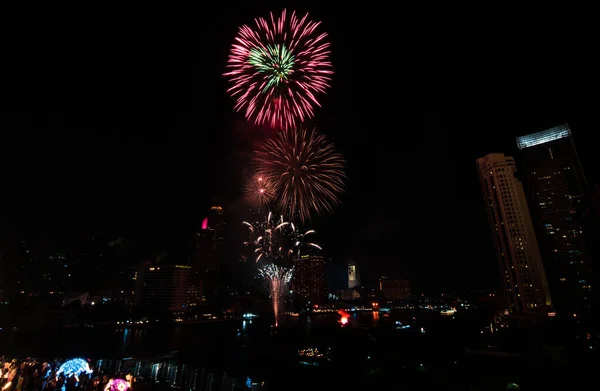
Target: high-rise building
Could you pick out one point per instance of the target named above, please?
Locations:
(208, 253)
(596, 203)
(519, 260)
(165, 286)
(207, 246)
(3, 285)
(394, 289)
(353, 276)
(556, 187)
(125, 290)
(309, 279)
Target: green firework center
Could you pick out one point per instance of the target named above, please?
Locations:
(276, 61)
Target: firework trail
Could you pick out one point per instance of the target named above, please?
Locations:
(276, 242)
(258, 192)
(277, 278)
(304, 170)
(277, 68)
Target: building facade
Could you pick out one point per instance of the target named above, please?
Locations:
(522, 273)
(208, 242)
(349, 294)
(308, 283)
(556, 188)
(165, 286)
(208, 253)
(353, 276)
(394, 289)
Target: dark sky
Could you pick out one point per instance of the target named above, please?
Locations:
(121, 120)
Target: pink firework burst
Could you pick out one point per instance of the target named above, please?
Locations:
(278, 68)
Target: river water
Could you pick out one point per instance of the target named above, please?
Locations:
(431, 350)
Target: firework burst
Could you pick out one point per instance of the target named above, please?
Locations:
(277, 241)
(277, 68)
(258, 192)
(305, 171)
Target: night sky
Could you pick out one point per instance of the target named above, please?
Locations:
(123, 124)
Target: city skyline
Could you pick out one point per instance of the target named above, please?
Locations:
(154, 158)
(265, 195)
(330, 224)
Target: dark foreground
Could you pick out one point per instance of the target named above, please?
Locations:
(373, 354)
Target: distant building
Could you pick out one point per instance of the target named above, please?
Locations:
(595, 199)
(522, 273)
(309, 279)
(126, 287)
(208, 253)
(208, 243)
(596, 202)
(394, 289)
(353, 276)
(556, 189)
(165, 286)
(349, 294)
(56, 274)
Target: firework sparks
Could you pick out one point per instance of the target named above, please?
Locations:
(277, 68)
(277, 241)
(258, 192)
(306, 172)
(277, 278)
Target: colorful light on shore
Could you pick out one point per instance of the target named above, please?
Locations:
(344, 317)
(117, 385)
(74, 367)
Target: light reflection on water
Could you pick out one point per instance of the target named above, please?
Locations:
(125, 341)
(204, 342)
(253, 346)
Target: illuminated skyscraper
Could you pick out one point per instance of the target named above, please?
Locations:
(309, 279)
(208, 242)
(556, 188)
(208, 252)
(353, 276)
(167, 287)
(522, 273)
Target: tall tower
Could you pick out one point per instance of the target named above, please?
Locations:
(353, 276)
(596, 202)
(208, 252)
(309, 279)
(208, 242)
(556, 187)
(522, 273)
